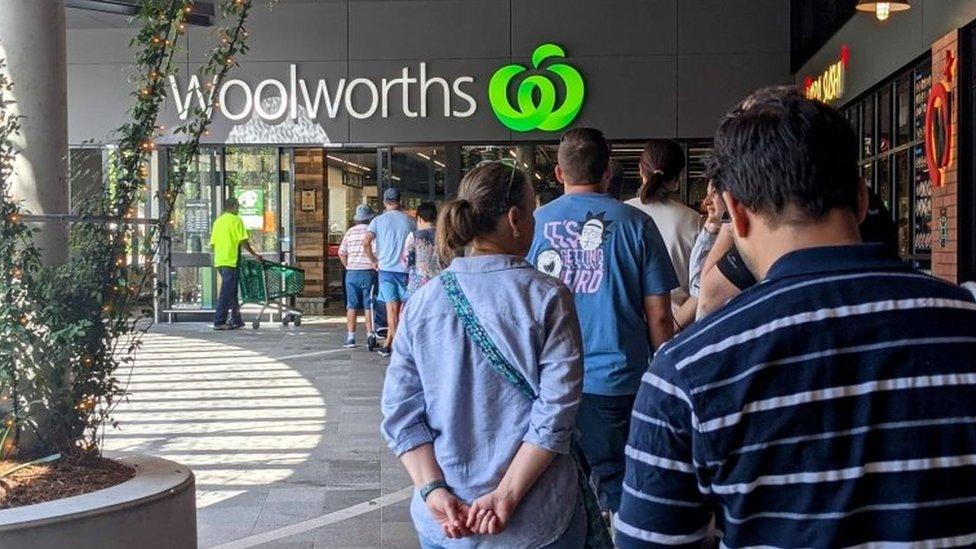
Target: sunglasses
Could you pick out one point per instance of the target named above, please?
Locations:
(508, 163)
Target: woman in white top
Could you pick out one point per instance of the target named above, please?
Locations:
(661, 165)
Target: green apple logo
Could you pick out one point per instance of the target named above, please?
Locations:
(542, 115)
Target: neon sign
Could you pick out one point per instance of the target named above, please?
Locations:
(938, 125)
(829, 86)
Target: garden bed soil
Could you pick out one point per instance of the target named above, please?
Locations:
(60, 479)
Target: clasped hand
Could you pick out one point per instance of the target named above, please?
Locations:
(489, 514)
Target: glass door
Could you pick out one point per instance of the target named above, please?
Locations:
(261, 179)
(252, 176)
(191, 274)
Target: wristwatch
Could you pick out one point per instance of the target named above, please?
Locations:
(426, 489)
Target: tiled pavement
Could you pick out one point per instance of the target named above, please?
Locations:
(279, 425)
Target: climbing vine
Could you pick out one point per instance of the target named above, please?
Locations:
(69, 331)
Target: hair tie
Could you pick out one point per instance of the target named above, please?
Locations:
(657, 172)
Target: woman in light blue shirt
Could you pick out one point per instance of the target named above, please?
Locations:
(491, 466)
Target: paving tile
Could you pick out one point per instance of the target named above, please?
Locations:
(362, 531)
(273, 441)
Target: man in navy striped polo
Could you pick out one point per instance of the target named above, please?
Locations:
(831, 405)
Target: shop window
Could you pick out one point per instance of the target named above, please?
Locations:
(904, 118)
(867, 174)
(884, 120)
(252, 178)
(903, 197)
(537, 162)
(352, 181)
(883, 182)
(543, 170)
(191, 277)
(419, 174)
(891, 124)
(867, 127)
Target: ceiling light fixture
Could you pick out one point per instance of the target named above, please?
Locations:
(882, 10)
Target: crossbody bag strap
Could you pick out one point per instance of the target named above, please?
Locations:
(480, 337)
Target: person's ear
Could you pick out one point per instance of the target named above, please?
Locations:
(560, 175)
(739, 214)
(863, 201)
(514, 218)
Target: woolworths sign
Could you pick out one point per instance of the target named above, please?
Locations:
(547, 97)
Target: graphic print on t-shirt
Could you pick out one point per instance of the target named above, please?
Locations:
(576, 254)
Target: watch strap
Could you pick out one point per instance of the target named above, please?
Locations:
(426, 489)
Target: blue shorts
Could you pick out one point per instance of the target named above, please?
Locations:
(393, 287)
(359, 284)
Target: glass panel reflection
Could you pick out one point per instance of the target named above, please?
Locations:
(252, 178)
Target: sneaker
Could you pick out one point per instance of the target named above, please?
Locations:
(350, 343)
(385, 352)
(222, 327)
(236, 326)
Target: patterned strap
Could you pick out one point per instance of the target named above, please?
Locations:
(481, 338)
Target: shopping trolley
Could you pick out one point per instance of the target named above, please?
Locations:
(267, 283)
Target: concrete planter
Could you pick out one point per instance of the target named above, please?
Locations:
(154, 509)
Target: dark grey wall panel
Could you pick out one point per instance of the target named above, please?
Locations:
(595, 28)
(626, 97)
(733, 26)
(430, 29)
(98, 97)
(298, 32)
(480, 126)
(99, 46)
(709, 85)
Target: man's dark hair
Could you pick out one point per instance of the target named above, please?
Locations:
(427, 211)
(583, 156)
(786, 157)
(231, 204)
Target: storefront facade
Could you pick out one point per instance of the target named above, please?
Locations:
(907, 88)
(337, 100)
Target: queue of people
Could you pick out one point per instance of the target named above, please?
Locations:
(386, 258)
(819, 391)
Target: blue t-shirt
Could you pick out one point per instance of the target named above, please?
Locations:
(391, 229)
(610, 255)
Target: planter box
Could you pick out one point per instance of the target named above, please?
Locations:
(155, 509)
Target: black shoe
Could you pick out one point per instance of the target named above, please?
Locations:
(222, 327)
(236, 326)
(384, 352)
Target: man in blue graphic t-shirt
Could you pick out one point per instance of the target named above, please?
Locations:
(612, 258)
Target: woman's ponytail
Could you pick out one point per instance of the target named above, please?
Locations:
(661, 162)
(653, 188)
(455, 228)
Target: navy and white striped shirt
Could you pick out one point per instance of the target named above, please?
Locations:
(834, 404)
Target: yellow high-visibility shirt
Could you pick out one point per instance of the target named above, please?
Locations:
(226, 236)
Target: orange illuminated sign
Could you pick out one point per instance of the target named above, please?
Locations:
(829, 85)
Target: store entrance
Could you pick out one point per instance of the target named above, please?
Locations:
(260, 179)
(359, 176)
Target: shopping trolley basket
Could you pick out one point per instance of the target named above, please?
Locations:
(267, 283)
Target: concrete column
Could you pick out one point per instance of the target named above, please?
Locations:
(32, 39)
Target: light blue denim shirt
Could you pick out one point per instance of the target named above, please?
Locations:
(440, 388)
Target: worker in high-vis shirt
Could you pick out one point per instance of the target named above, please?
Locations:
(227, 238)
